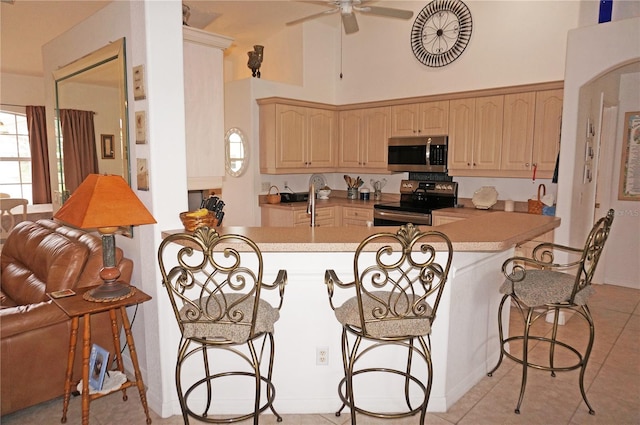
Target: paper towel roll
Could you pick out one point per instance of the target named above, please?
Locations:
(509, 205)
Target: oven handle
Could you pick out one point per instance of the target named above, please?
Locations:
(408, 217)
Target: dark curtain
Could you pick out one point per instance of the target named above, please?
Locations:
(40, 174)
(79, 152)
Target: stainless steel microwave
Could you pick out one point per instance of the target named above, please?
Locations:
(418, 154)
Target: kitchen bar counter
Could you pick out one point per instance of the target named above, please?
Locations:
(483, 232)
(464, 339)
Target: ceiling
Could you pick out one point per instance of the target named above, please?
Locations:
(248, 22)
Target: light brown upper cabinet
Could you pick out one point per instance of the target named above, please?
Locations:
(297, 139)
(475, 135)
(517, 131)
(546, 135)
(531, 134)
(364, 135)
(416, 119)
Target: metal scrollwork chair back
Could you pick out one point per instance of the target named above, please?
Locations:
(399, 279)
(543, 285)
(214, 283)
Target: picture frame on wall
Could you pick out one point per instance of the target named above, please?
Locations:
(629, 186)
(98, 362)
(108, 148)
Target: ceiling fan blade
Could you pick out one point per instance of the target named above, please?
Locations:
(386, 11)
(315, 15)
(350, 23)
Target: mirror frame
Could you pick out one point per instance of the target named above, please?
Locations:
(114, 51)
(227, 152)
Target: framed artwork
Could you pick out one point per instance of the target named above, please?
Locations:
(108, 151)
(141, 127)
(629, 186)
(98, 361)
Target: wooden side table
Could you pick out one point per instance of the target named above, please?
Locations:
(75, 307)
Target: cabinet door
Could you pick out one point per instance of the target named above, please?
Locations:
(352, 216)
(433, 118)
(461, 124)
(350, 136)
(517, 131)
(546, 139)
(204, 114)
(376, 130)
(404, 120)
(325, 217)
(488, 132)
(291, 136)
(440, 220)
(321, 134)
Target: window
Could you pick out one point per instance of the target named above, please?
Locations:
(15, 156)
(236, 152)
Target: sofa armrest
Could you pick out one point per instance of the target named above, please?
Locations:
(25, 318)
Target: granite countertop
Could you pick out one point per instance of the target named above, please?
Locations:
(497, 231)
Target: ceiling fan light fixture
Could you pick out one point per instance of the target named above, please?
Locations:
(347, 9)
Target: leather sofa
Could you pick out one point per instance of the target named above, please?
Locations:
(39, 258)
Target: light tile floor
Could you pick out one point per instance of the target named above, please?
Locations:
(612, 381)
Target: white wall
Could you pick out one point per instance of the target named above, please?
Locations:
(614, 44)
(153, 32)
(21, 90)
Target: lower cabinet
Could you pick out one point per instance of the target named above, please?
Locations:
(325, 216)
(525, 249)
(353, 216)
(440, 220)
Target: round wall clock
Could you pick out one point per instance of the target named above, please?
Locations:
(441, 32)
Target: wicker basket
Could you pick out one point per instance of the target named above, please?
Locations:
(273, 198)
(192, 223)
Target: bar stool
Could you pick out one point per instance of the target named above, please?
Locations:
(398, 281)
(538, 286)
(214, 285)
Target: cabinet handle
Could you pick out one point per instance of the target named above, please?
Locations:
(526, 165)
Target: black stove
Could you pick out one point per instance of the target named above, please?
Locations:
(417, 200)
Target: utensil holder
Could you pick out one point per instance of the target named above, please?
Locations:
(352, 193)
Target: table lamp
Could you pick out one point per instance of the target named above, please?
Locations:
(105, 203)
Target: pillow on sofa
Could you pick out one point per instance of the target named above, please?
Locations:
(90, 274)
(36, 261)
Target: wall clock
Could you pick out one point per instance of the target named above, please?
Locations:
(441, 32)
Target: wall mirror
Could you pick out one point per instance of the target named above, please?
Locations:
(92, 92)
(236, 152)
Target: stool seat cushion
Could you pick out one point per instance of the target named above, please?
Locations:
(540, 287)
(399, 322)
(204, 321)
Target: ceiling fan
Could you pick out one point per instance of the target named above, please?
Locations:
(347, 9)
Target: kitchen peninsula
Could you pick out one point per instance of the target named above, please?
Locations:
(465, 335)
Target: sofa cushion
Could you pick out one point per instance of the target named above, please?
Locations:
(90, 274)
(36, 261)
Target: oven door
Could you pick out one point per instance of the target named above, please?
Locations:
(382, 217)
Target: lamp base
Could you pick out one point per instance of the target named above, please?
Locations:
(107, 292)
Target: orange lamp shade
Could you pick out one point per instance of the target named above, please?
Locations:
(104, 201)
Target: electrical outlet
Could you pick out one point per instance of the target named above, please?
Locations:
(265, 186)
(322, 356)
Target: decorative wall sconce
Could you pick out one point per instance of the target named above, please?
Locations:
(186, 14)
(255, 60)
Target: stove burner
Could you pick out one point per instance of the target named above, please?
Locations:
(417, 200)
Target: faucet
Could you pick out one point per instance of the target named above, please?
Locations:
(311, 205)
